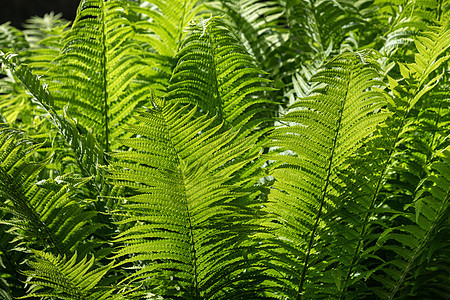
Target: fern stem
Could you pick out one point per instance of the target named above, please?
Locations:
(192, 240)
(433, 136)
(324, 192)
(191, 227)
(105, 82)
(216, 83)
(439, 11)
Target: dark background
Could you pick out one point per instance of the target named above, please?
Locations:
(17, 11)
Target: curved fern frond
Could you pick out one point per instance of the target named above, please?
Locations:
(11, 258)
(183, 222)
(328, 127)
(59, 277)
(38, 46)
(161, 32)
(41, 212)
(406, 20)
(216, 73)
(44, 36)
(85, 147)
(421, 119)
(258, 25)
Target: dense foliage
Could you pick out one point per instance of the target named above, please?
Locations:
(230, 149)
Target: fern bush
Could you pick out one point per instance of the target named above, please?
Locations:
(230, 149)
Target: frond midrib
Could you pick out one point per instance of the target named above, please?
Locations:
(185, 194)
(325, 188)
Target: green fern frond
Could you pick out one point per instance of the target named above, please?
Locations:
(11, 39)
(430, 205)
(161, 32)
(216, 73)
(408, 139)
(422, 135)
(183, 228)
(39, 48)
(99, 62)
(433, 265)
(328, 127)
(66, 278)
(258, 25)
(39, 212)
(41, 30)
(85, 147)
(406, 20)
(10, 260)
(44, 36)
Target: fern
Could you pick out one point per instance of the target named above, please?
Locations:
(66, 278)
(185, 224)
(215, 73)
(257, 24)
(96, 66)
(42, 212)
(85, 147)
(421, 150)
(142, 156)
(324, 135)
(409, 240)
(161, 33)
(44, 38)
(11, 38)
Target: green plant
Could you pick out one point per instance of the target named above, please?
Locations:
(227, 150)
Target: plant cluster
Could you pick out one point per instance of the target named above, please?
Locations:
(229, 149)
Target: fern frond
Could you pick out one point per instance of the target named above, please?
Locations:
(40, 212)
(409, 240)
(161, 31)
(66, 278)
(329, 126)
(183, 228)
(39, 48)
(216, 73)
(433, 265)
(407, 139)
(11, 39)
(258, 25)
(85, 147)
(44, 36)
(406, 20)
(10, 277)
(97, 70)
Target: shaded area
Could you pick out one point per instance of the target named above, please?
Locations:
(18, 11)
